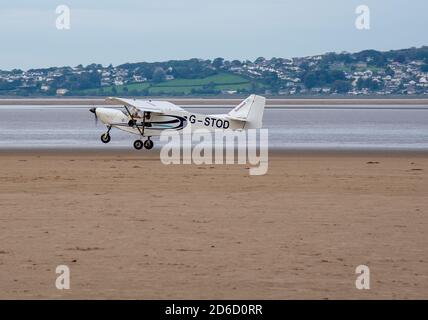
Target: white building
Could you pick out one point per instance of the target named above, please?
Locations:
(61, 92)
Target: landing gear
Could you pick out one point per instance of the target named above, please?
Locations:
(105, 137)
(148, 144)
(138, 144)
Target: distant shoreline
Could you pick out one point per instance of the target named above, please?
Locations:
(226, 101)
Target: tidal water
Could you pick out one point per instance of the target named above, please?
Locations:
(290, 128)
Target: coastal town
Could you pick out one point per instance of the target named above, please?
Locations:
(366, 73)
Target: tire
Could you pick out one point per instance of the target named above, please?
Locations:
(138, 144)
(148, 144)
(105, 138)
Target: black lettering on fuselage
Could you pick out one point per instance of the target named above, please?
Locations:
(215, 122)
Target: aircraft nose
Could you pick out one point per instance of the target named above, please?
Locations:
(109, 116)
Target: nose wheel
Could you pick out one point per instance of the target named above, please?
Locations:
(105, 137)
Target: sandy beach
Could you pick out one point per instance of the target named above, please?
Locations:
(130, 227)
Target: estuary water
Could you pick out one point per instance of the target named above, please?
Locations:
(290, 128)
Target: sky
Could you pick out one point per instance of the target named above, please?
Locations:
(157, 30)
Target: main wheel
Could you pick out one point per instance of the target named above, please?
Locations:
(138, 144)
(148, 144)
(105, 137)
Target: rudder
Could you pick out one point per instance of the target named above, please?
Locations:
(251, 111)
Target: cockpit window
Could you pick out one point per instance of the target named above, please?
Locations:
(136, 113)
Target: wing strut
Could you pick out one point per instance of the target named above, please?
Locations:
(135, 121)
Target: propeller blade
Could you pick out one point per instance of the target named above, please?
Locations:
(93, 110)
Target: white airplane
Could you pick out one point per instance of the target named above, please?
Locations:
(148, 118)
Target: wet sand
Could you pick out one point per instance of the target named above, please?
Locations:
(130, 227)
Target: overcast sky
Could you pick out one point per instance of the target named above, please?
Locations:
(130, 31)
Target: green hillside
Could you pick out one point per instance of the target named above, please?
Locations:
(219, 82)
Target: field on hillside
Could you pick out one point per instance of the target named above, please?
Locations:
(223, 81)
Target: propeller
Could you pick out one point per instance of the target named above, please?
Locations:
(93, 110)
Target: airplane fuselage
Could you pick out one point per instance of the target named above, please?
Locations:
(154, 124)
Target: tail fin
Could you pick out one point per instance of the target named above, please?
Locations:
(251, 111)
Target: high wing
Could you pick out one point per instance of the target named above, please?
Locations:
(146, 105)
